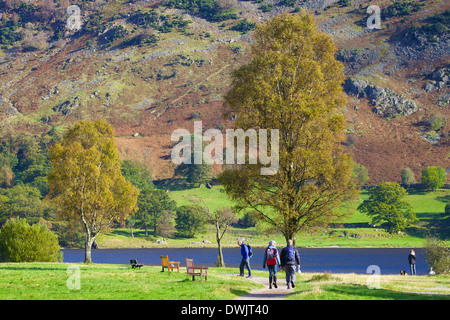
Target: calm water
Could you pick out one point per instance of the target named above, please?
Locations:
(335, 260)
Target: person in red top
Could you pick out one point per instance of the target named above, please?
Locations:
(272, 260)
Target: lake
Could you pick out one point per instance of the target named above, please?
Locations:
(334, 260)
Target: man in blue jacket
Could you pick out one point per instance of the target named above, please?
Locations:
(290, 261)
(245, 262)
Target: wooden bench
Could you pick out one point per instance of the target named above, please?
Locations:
(135, 264)
(195, 271)
(170, 265)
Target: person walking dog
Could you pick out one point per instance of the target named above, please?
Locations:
(272, 260)
(290, 260)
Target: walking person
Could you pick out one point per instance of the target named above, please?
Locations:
(290, 260)
(412, 262)
(245, 262)
(272, 260)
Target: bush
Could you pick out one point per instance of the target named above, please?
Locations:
(211, 10)
(436, 122)
(437, 255)
(438, 24)
(402, 8)
(433, 177)
(288, 3)
(244, 26)
(189, 221)
(408, 177)
(360, 174)
(20, 242)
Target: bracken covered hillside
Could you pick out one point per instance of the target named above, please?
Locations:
(152, 67)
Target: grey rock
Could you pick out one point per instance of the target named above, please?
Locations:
(68, 106)
(385, 101)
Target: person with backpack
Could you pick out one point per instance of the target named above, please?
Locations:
(272, 260)
(246, 253)
(290, 260)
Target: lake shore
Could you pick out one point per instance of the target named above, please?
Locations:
(337, 237)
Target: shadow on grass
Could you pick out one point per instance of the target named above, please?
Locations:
(239, 293)
(443, 199)
(137, 233)
(174, 184)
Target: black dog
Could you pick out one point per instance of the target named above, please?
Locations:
(403, 272)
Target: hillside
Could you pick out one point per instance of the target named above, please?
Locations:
(150, 67)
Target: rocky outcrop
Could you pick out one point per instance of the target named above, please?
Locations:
(67, 107)
(6, 107)
(439, 80)
(385, 101)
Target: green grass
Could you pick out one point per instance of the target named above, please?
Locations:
(311, 286)
(48, 281)
(215, 198)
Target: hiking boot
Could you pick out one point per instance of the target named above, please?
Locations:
(288, 285)
(270, 282)
(275, 282)
(293, 284)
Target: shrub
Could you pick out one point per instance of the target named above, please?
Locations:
(344, 3)
(20, 242)
(360, 174)
(436, 122)
(288, 3)
(408, 177)
(437, 255)
(189, 221)
(244, 26)
(433, 177)
(211, 10)
(266, 8)
(402, 8)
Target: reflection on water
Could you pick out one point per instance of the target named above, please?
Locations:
(335, 260)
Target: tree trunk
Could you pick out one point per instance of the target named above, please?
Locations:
(290, 236)
(220, 261)
(132, 235)
(88, 248)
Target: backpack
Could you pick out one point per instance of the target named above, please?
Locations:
(270, 253)
(250, 250)
(289, 254)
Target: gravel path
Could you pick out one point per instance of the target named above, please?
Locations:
(266, 293)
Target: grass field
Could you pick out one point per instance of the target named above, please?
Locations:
(368, 287)
(429, 208)
(113, 282)
(55, 281)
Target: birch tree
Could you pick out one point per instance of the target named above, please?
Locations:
(86, 180)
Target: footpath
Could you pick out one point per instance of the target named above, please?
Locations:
(266, 293)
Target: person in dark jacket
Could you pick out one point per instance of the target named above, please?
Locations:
(412, 262)
(245, 262)
(272, 260)
(290, 261)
